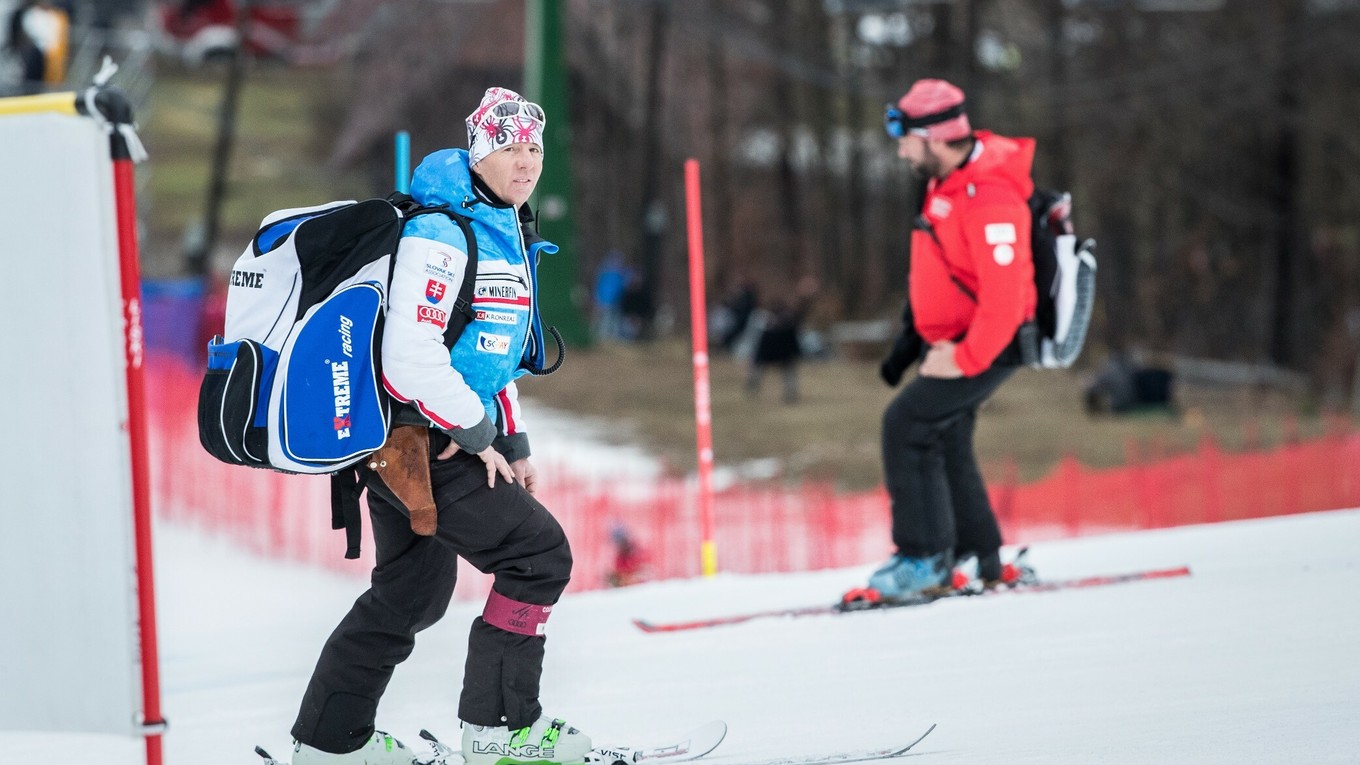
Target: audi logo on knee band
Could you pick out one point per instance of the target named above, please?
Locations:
(514, 616)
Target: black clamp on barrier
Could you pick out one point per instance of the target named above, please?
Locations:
(110, 108)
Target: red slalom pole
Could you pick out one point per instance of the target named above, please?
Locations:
(703, 416)
(137, 436)
(110, 106)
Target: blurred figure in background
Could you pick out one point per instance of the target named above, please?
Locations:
(23, 65)
(637, 309)
(610, 282)
(737, 309)
(970, 287)
(629, 560)
(779, 345)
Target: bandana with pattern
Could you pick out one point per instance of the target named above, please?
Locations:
(503, 118)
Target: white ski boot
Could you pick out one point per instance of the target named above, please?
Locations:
(381, 749)
(546, 741)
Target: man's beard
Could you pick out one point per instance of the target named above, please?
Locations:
(930, 165)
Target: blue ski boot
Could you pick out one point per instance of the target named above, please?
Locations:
(906, 578)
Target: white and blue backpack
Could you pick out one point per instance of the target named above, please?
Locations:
(294, 383)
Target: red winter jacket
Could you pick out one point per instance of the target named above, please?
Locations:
(980, 214)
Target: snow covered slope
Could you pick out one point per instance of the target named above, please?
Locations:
(1253, 659)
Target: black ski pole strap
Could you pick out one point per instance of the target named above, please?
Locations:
(346, 487)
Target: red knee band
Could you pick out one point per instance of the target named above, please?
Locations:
(514, 616)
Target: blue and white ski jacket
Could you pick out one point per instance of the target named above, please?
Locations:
(468, 391)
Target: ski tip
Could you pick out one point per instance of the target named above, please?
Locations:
(716, 729)
(918, 740)
(643, 625)
(707, 737)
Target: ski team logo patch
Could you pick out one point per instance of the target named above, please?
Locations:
(999, 233)
(432, 315)
(1003, 237)
(434, 290)
(496, 317)
(505, 294)
(940, 208)
(439, 264)
(489, 343)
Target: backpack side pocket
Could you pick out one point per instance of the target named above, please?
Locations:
(234, 400)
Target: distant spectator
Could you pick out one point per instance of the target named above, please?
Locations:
(636, 308)
(629, 559)
(610, 282)
(779, 345)
(48, 25)
(23, 57)
(738, 308)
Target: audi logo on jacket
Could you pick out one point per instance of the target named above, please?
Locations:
(979, 231)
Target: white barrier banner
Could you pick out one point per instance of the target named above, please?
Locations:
(69, 657)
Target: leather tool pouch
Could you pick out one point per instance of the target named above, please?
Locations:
(403, 463)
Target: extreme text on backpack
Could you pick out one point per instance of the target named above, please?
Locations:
(295, 382)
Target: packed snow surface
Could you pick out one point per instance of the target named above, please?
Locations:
(1252, 659)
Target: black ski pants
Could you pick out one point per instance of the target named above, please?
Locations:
(500, 530)
(939, 501)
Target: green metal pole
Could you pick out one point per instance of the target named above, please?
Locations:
(545, 82)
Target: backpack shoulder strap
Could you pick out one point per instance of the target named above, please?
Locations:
(922, 223)
(462, 314)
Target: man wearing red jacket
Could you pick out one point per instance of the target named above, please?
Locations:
(971, 286)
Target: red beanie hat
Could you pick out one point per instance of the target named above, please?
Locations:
(940, 106)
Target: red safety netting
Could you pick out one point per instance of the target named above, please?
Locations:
(625, 530)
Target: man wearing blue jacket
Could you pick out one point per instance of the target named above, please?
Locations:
(481, 476)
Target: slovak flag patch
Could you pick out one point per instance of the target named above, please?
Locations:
(434, 290)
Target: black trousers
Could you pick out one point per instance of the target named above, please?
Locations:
(939, 501)
(501, 530)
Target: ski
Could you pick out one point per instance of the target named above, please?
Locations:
(690, 746)
(1037, 585)
(848, 757)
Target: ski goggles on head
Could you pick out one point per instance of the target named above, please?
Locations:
(898, 124)
(519, 109)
